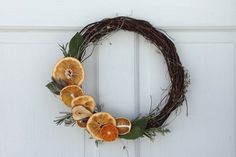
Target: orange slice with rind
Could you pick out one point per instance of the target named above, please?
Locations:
(69, 70)
(80, 112)
(87, 101)
(109, 133)
(68, 93)
(123, 125)
(97, 121)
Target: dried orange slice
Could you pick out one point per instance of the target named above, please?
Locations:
(80, 112)
(123, 125)
(68, 93)
(86, 101)
(97, 121)
(69, 70)
(109, 132)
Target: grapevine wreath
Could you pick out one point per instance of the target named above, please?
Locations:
(68, 75)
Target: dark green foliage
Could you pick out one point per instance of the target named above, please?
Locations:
(53, 88)
(138, 128)
(76, 46)
(56, 86)
(134, 133)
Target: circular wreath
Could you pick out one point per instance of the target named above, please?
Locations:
(68, 74)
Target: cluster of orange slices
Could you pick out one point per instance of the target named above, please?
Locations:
(101, 125)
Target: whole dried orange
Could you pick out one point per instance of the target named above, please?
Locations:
(86, 101)
(97, 121)
(80, 112)
(123, 125)
(69, 70)
(109, 132)
(82, 123)
(68, 93)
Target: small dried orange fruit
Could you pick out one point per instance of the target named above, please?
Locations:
(80, 112)
(123, 125)
(68, 93)
(97, 121)
(82, 123)
(86, 101)
(109, 132)
(69, 70)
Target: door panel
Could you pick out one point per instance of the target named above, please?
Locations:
(124, 73)
(79, 13)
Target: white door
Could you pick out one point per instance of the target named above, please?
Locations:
(122, 74)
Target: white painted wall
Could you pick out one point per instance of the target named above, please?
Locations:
(122, 74)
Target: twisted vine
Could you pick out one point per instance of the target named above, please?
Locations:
(179, 81)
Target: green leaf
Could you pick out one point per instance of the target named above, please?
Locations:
(59, 83)
(134, 133)
(138, 128)
(75, 45)
(141, 122)
(53, 88)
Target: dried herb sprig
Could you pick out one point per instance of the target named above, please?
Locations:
(66, 118)
(64, 49)
(152, 132)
